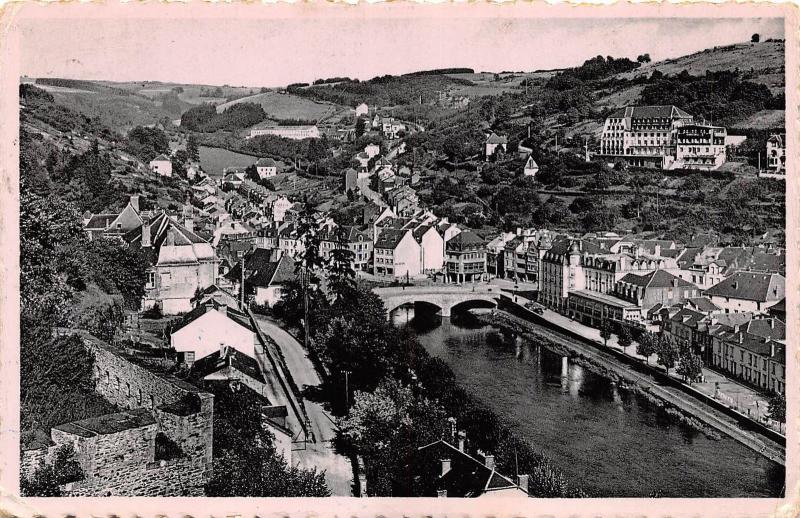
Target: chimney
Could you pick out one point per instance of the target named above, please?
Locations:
(735, 285)
(170, 241)
(135, 202)
(146, 234)
(189, 224)
(772, 349)
(445, 467)
(489, 461)
(772, 323)
(658, 250)
(741, 338)
(462, 439)
(522, 482)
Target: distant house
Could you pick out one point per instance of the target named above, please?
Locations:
(748, 292)
(495, 142)
(656, 287)
(113, 225)
(372, 150)
(210, 328)
(161, 165)
(266, 168)
(362, 109)
(776, 155)
(531, 167)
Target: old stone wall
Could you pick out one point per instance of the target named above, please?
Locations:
(123, 463)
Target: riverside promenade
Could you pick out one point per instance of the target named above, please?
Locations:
(557, 328)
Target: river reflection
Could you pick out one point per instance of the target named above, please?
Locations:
(607, 440)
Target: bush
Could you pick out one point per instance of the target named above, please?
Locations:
(154, 313)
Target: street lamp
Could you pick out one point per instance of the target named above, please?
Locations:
(347, 389)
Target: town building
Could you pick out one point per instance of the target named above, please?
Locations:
(700, 146)
(466, 258)
(446, 471)
(397, 254)
(776, 157)
(289, 132)
(495, 143)
(755, 354)
(655, 287)
(357, 241)
(372, 150)
(113, 226)
(531, 167)
(181, 263)
(391, 127)
(644, 136)
(266, 168)
(161, 165)
(362, 110)
(495, 258)
(210, 328)
(748, 292)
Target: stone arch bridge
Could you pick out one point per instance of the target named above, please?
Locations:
(444, 297)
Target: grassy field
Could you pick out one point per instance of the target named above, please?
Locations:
(765, 119)
(287, 106)
(765, 58)
(624, 97)
(214, 160)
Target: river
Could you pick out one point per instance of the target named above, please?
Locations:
(610, 442)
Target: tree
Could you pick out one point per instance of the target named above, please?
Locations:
(690, 366)
(360, 127)
(755, 38)
(777, 408)
(309, 260)
(47, 478)
(245, 460)
(605, 331)
(643, 58)
(667, 353)
(646, 345)
(624, 337)
(341, 276)
(192, 149)
(147, 143)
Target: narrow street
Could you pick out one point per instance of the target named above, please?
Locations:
(320, 453)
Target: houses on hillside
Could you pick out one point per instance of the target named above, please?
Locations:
(776, 157)
(161, 165)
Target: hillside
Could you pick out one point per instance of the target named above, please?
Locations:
(287, 106)
(765, 59)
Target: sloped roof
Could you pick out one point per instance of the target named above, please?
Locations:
(656, 279)
(266, 162)
(100, 221)
(236, 359)
(467, 477)
(703, 304)
(212, 305)
(275, 274)
(649, 112)
(754, 286)
(464, 240)
(494, 138)
(390, 237)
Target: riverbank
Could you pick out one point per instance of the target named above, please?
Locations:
(691, 411)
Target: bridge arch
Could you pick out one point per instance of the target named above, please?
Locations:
(444, 297)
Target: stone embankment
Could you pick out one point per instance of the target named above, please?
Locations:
(687, 409)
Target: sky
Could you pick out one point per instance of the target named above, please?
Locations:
(276, 52)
